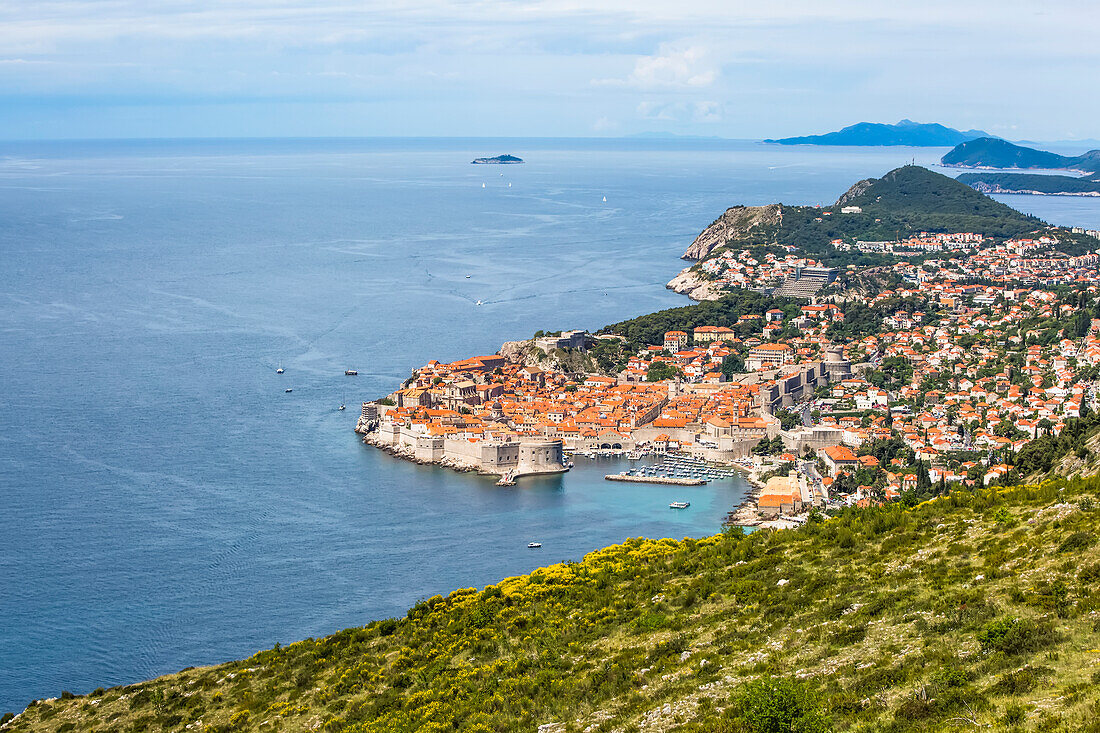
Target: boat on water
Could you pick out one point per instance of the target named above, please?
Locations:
(679, 505)
(280, 370)
(288, 389)
(341, 407)
(478, 303)
(534, 545)
(351, 372)
(467, 277)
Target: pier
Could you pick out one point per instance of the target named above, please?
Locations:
(674, 481)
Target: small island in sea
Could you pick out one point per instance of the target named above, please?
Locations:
(905, 132)
(497, 160)
(999, 155)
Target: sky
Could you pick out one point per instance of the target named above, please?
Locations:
(730, 68)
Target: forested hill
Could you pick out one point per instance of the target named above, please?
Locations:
(917, 198)
(988, 152)
(976, 611)
(990, 182)
(904, 202)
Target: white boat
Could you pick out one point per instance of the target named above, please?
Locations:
(280, 370)
(483, 185)
(467, 277)
(679, 505)
(478, 303)
(351, 372)
(288, 389)
(605, 199)
(534, 545)
(341, 407)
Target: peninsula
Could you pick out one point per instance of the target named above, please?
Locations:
(796, 251)
(905, 132)
(497, 160)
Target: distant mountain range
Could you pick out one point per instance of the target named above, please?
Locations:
(906, 132)
(999, 154)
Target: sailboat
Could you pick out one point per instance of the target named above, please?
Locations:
(483, 185)
(605, 199)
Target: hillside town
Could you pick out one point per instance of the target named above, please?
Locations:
(977, 352)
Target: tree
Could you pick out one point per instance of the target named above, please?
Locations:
(924, 482)
(788, 419)
(732, 364)
(659, 371)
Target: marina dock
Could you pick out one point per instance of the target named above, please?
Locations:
(674, 481)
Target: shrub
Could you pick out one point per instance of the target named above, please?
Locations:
(1014, 715)
(1014, 636)
(1021, 681)
(779, 705)
(1076, 541)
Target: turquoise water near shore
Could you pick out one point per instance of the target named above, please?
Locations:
(165, 503)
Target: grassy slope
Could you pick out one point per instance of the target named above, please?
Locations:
(880, 619)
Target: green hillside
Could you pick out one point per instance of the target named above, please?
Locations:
(904, 202)
(1031, 182)
(980, 610)
(916, 198)
(989, 152)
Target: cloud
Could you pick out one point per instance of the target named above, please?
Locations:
(669, 69)
(707, 112)
(605, 124)
(554, 67)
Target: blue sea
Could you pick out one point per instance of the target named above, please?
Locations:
(165, 503)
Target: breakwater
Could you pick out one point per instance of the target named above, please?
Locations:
(655, 480)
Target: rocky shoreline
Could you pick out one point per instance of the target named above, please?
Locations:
(407, 455)
(689, 283)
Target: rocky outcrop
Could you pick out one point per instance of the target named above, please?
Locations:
(522, 352)
(857, 190)
(567, 361)
(690, 283)
(737, 221)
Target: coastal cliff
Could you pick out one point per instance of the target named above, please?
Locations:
(735, 222)
(690, 283)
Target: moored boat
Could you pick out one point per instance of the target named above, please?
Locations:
(679, 505)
